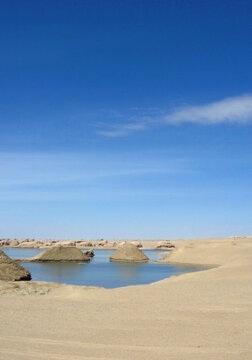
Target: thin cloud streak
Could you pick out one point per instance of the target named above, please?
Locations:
(73, 168)
(230, 110)
(90, 176)
(92, 195)
(123, 130)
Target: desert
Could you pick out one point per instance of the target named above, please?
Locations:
(125, 187)
(201, 315)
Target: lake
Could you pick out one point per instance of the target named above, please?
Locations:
(100, 271)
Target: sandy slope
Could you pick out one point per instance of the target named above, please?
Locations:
(203, 315)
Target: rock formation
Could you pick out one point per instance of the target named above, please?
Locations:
(60, 254)
(11, 271)
(8, 243)
(137, 243)
(89, 253)
(128, 253)
(165, 245)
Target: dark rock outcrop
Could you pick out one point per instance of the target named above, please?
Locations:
(89, 253)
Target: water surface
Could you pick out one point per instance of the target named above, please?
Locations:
(100, 271)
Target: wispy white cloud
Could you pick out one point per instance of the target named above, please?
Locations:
(230, 110)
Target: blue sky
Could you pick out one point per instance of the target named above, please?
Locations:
(125, 119)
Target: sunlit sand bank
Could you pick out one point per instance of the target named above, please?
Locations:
(200, 315)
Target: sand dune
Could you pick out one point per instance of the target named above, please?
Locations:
(195, 316)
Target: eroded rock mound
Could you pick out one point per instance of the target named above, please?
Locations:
(61, 253)
(8, 243)
(128, 253)
(11, 271)
(137, 243)
(89, 253)
(165, 245)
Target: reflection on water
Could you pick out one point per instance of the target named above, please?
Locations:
(127, 271)
(60, 272)
(100, 272)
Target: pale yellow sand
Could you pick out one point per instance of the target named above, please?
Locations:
(197, 316)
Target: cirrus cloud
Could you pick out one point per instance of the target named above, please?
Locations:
(230, 110)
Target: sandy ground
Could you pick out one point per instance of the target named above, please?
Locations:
(201, 315)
